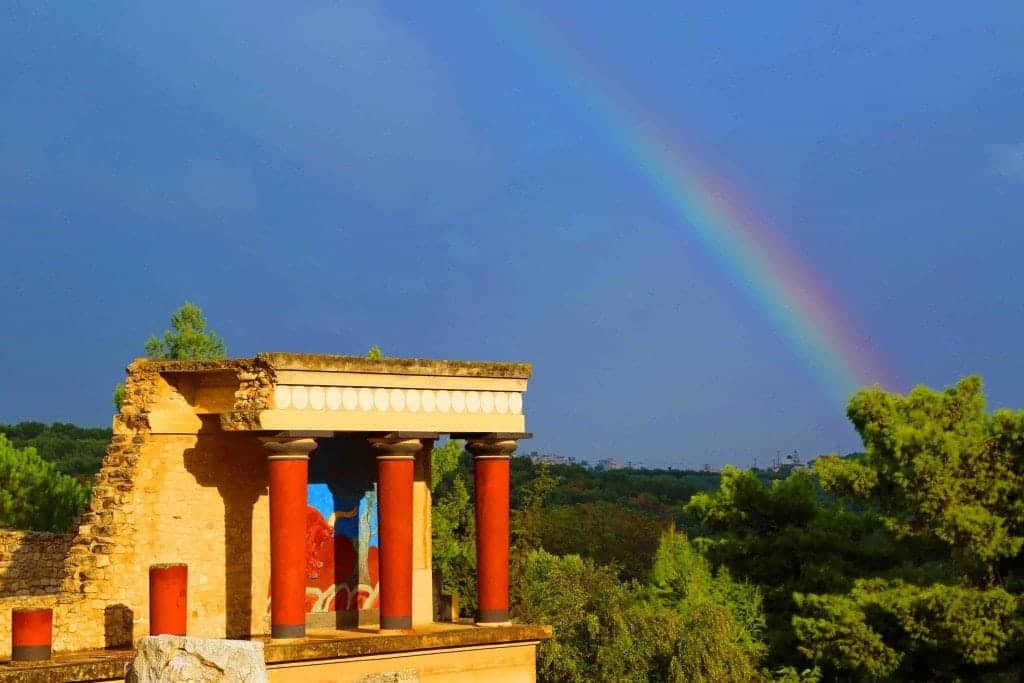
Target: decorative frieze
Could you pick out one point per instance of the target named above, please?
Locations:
(397, 400)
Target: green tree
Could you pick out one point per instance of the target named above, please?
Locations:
(787, 537)
(722, 619)
(188, 339)
(609, 533)
(603, 630)
(375, 353)
(73, 450)
(33, 494)
(453, 523)
(946, 479)
(906, 564)
(688, 624)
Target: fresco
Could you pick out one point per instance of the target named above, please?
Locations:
(341, 528)
(341, 549)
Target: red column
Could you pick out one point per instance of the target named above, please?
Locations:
(288, 465)
(168, 599)
(395, 465)
(491, 466)
(31, 634)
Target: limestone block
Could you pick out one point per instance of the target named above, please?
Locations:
(162, 659)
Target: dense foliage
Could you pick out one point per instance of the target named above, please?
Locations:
(453, 523)
(73, 450)
(784, 537)
(906, 563)
(33, 494)
(660, 614)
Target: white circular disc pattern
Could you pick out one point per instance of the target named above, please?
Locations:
(316, 398)
(365, 399)
(333, 398)
(397, 400)
(282, 397)
(350, 398)
(412, 400)
(429, 400)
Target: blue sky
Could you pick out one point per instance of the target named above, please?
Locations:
(325, 176)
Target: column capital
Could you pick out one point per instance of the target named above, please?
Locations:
(491, 447)
(288, 447)
(396, 448)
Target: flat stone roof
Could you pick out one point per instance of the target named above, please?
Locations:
(340, 363)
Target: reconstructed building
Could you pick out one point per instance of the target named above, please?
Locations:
(296, 488)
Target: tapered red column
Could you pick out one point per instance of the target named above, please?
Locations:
(491, 466)
(395, 467)
(288, 465)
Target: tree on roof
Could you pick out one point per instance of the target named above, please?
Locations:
(188, 339)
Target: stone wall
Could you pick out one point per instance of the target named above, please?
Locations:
(79, 573)
(31, 571)
(32, 562)
(202, 500)
(198, 497)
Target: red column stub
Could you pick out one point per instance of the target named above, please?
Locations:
(491, 467)
(31, 634)
(395, 468)
(288, 469)
(168, 599)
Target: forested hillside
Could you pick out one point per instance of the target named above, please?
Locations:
(73, 450)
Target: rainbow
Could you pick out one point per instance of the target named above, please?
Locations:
(755, 258)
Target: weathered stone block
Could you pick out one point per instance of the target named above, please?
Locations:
(161, 659)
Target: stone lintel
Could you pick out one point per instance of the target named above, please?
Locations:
(312, 395)
(431, 638)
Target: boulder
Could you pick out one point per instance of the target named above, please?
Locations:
(162, 659)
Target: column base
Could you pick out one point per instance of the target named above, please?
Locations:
(395, 623)
(30, 653)
(492, 617)
(288, 631)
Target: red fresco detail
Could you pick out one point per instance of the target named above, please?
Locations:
(332, 560)
(319, 550)
(372, 564)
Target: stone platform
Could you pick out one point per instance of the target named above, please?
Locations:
(449, 653)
